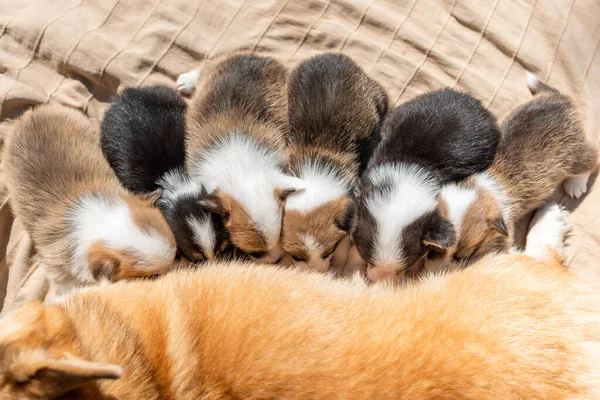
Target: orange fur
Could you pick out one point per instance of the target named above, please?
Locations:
(510, 327)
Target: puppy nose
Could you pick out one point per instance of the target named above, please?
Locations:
(274, 255)
(319, 265)
(377, 274)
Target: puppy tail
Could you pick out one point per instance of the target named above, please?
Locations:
(535, 86)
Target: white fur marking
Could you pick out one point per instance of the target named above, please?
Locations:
(186, 83)
(575, 186)
(204, 234)
(110, 222)
(176, 183)
(533, 82)
(9, 327)
(413, 193)
(321, 186)
(549, 228)
(458, 199)
(311, 243)
(250, 173)
(487, 182)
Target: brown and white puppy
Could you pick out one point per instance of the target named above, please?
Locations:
(532, 331)
(237, 126)
(543, 144)
(335, 113)
(85, 225)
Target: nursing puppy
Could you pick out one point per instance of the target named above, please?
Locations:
(543, 144)
(143, 136)
(143, 139)
(335, 113)
(85, 225)
(237, 125)
(209, 334)
(436, 138)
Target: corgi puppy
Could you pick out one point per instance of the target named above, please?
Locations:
(531, 331)
(543, 144)
(436, 138)
(143, 136)
(143, 139)
(335, 111)
(237, 126)
(85, 225)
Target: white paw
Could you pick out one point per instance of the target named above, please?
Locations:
(576, 185)
(186, 83)
(548, 229)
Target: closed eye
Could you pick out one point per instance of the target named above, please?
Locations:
(332, 250)
(298, 258)
(257, 254)
(198, 256)
(473, 252)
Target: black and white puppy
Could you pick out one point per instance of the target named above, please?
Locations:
(143, 139)
(439, 137)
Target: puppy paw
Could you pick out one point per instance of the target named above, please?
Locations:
(575, 186)
(186, 83)
(549, 228)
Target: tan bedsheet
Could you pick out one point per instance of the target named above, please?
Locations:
(80, 52)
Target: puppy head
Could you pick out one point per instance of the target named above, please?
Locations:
(199, 232)
(253, 219)
(39, 357)
(311, 236)
(479, 221)
(124, 238)
(399, 221)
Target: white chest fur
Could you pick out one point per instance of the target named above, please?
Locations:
(109, 221)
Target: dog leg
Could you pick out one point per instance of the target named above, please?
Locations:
(186, 83)
(547, 231)
(576, 185)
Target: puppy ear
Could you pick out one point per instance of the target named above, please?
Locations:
(288, 185)
(58, 376)
(32, 361)
(103, 262)
(499, 226)
(115, 265)
(215, 204)
(151, 197)
(345, 220)
(440, 235)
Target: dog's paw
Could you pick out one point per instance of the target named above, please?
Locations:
(549, 228)
(186, 83)
(576, 186)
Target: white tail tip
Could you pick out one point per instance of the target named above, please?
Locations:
(532, 82)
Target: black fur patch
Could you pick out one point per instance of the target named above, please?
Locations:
(446, 132)
(177, 214)
(429, 228)
(335, 105)
(345, 221)
(143, 136)
(364, 231)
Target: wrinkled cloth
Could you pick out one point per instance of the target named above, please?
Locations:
(82, 52)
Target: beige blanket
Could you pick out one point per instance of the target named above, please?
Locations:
(80, 52)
